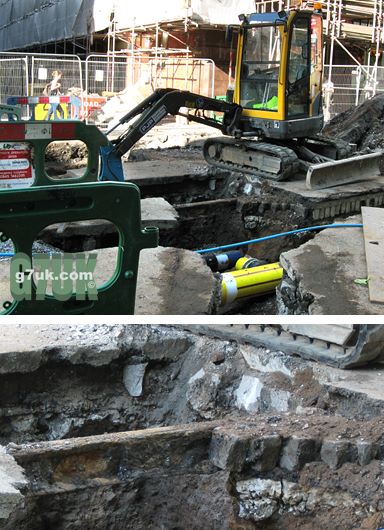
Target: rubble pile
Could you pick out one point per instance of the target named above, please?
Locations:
(362, 125)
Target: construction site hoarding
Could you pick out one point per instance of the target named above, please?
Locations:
(28, 22)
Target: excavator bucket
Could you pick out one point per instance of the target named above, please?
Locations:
(336, 172)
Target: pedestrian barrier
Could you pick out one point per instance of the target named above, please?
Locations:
(39, 105)
(10, 112)
(19, 139)
(24, 213)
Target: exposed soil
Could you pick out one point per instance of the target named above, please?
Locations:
(61, 156)
(362, 125)
(64, 388)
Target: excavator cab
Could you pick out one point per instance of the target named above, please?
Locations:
(278, 74)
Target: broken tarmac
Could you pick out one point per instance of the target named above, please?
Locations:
(320, 275)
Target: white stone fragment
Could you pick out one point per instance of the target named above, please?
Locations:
(248, 393)
(133, 377)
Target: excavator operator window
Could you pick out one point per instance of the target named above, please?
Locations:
(260, 68)
(299, 69)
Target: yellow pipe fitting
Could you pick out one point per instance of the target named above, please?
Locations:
(247, 263)
(255, 281)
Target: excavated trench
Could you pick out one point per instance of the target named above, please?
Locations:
(211, 208)
(145, 426)
(218, 207)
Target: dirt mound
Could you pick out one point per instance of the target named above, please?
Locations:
(362, 125)
(69, 155)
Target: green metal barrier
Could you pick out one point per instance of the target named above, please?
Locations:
(12, 113)
(24, 213)
(41, 133)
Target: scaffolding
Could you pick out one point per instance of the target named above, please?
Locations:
(353, 30)
(153, 44)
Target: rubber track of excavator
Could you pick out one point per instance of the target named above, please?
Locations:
(367, 346)
(288, 158)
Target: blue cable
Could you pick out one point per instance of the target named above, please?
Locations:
(11, 254)
(274, 236)
(257, 240)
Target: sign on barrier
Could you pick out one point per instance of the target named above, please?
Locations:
(25, 213)
(91, 104)
(16, 168)
(36, 135)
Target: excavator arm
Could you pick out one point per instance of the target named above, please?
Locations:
(152, 110)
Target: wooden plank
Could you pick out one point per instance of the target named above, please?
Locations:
(373, 225)
(335, 333)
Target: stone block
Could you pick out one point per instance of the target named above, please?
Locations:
(335, 453)
(10, 497)
(366, 452)
(258, 498)
(297, 452)
(133, 377)
(248, 393)
(11, 478)
(263, 453)
(202, 392)
(228, 450)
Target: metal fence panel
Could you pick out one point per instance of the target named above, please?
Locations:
(195, 75)
(13, 77)
(107, 74)
(43, 66)
(351, 86)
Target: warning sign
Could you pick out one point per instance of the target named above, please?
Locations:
(16, 168)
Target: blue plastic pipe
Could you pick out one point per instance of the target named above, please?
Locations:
(274, 236)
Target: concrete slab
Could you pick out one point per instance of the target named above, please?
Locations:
(24, 348)
(319, 276)
(155, 211)
(363, 383)
(147, 172)
(373, 226)
(150, 172)
(174, 281)
(11, 478)
(329, 203)
(171, 281)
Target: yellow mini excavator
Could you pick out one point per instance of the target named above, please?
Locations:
(272, 119)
